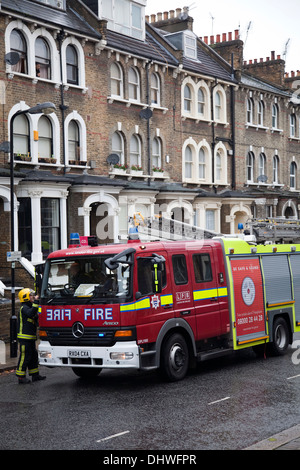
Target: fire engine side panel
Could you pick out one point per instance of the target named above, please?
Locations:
(278, 279)
(295, 269)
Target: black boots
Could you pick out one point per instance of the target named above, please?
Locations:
(37, 377)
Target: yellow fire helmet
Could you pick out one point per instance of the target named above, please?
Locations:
(24, 294)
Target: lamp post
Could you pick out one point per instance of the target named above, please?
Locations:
(42, 108)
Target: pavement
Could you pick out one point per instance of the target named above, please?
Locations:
(289, 439)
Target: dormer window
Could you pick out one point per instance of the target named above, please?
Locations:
(61, 4)
(124, 16)
(190, 47)
(185, 41)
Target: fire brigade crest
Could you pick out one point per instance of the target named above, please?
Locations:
(155, 301)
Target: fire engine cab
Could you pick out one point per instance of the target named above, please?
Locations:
(166, 304)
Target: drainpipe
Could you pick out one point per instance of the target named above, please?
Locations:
(62, 106)
(232, 108)
(213, 144)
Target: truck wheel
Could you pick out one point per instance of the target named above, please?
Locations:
(281, 337)
(86, 372)
(174, 358)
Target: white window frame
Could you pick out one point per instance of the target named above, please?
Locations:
(275, 169)
(119, 26)
(75, 116)
(250, 160)
(119, 79)
(134, 85)
(81, 62)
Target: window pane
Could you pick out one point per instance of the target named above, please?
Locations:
(18, 44)
(21, 135)
(42, 58)
(50, 225)
(45, 137)
(25, 227)
(202, 268)
(179, 269)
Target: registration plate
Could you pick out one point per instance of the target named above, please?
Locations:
(79, 353)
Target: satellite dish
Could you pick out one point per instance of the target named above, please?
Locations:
(262, 179)
(12, 58)
(113, 159)
(146, 113)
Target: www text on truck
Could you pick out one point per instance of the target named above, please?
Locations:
(166, 305)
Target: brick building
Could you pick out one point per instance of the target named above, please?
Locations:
(149, 118)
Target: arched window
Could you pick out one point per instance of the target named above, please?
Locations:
(45, 138)
(42, 58)
(274, 116)
(72, 65)
(202, 163)
(117, 146)
(250, 107)
(262, 168)
(188, 158)
(218, 166)
(135, 151)
(201, 102)
(18, 44)
(116, 80)
(21, 135)
(260, 113)
(292, 125)
(155, 89)
(250, 167)
(187, 99)
(73, 141)
(156, 153)
(275, 169)
(134, 84)
(293, 170)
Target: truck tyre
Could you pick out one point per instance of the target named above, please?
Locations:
(86, 372)
(174, 358)
(281, 337)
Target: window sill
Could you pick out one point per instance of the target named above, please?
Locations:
(256, 127)
(129, 103)
(35, 80)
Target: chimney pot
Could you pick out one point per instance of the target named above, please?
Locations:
(172, 13)
(272, 55)
(236, 34)
(279, 57)
(218, 38)
(159, 16)
(166, 15)
(178, 11)
(224, 36)
(229, 36)
(212, 39)
(153, 18)
(206, 39)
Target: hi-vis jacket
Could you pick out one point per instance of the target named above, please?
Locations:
(28, 321)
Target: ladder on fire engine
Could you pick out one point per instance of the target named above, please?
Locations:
(274, 230)
(163, 228)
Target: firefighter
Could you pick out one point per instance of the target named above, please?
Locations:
(28, 322)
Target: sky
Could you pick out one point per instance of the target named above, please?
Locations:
(264, 25)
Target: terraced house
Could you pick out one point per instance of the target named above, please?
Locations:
(149, 119)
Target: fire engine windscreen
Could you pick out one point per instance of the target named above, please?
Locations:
(87, 278)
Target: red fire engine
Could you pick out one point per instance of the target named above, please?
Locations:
(166, 305)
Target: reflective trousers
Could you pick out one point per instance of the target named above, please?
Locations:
(28, 359)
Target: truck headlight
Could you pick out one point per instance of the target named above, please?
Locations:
(121, 356)
(45, 355)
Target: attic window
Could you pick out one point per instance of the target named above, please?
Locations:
(190, 47)
(125, 16)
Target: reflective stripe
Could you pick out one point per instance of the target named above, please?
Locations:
(166, 299)
(22, 336)
(19, 370)
(209, 293)
(139, 305)
(33, 371)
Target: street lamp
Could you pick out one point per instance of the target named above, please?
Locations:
(42, 108)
